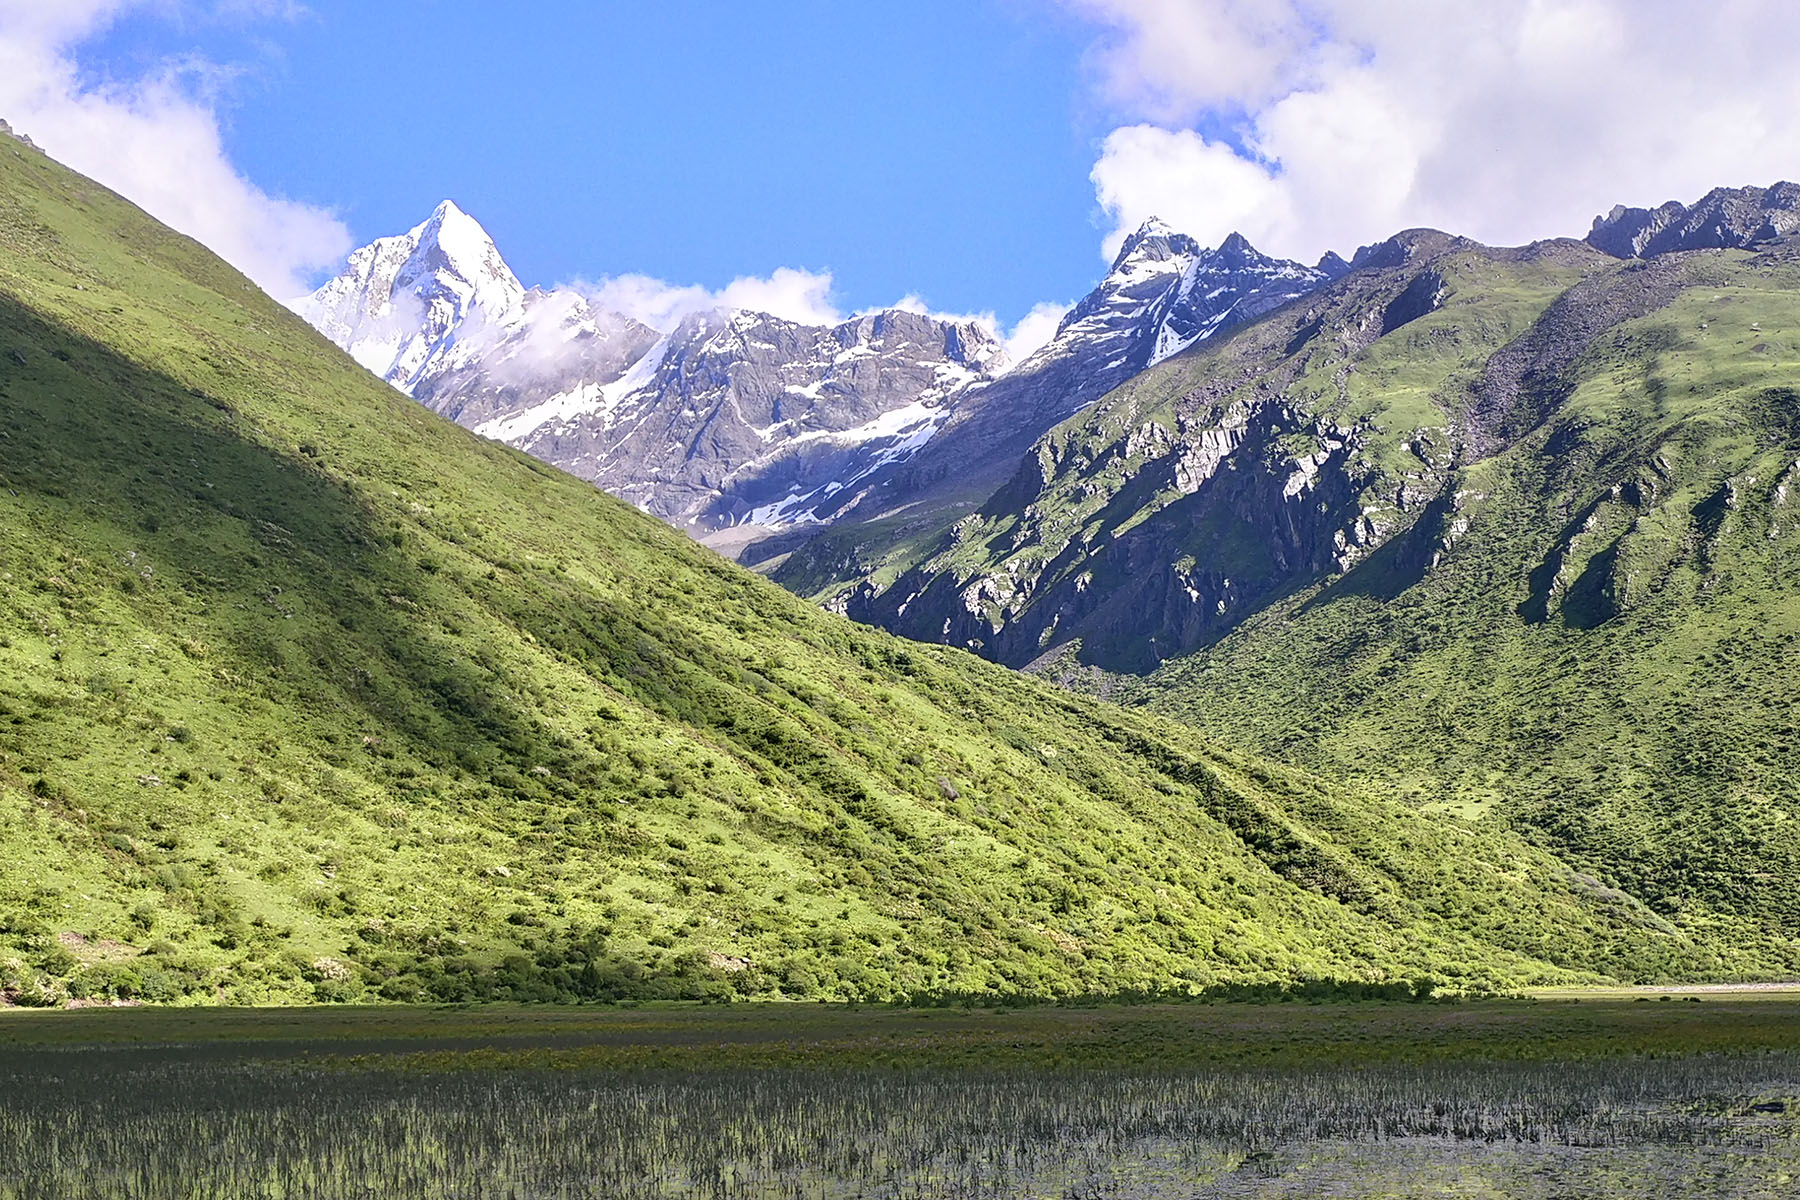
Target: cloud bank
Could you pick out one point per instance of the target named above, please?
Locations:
(1034, 330)
(156, 139)
(1321, 124)
(805, 297)
(793, 295)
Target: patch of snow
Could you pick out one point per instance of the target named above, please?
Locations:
(588, 399)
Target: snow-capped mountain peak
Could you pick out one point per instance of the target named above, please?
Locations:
(743, 418)
(1236, 253)
(1153, 241)
(1167, 292)
(453, 250)
(737, 418)
(732, 416)
(403, 303)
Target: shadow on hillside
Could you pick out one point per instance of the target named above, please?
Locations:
(278, 563)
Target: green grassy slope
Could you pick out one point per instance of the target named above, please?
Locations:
(1523, 559)
(308, 694)
(1604, 656)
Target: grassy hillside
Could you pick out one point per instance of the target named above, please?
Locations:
(1506, 536)
(1603, 653)
(306, 693)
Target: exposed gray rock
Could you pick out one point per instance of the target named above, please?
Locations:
(8, 131)
(561, 346)
(745, 418)
(1165, 294)
(736, 425)
(1725, 218)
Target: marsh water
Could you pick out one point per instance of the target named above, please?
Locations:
(160, 1124)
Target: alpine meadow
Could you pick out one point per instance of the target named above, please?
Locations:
(1266, 724)
(312, 696)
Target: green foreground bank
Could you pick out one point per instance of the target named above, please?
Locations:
(1570, 1027)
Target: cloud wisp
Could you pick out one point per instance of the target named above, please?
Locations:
(804, 297)
(1320, 124)
(788, 293)
(1020, 341)
(156, 140)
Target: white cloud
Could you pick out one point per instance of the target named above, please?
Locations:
(1030, 333)
(1506, 120)
(156, 140)
(1034, 330)
(912, 302)
(987, 322)
(793, 295)
(1172, 59)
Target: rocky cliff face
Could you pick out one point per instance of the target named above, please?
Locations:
(1165, 294)
(742, 418)
(1725, 218)
(7, 130)
(738, 424)
(1156, 519)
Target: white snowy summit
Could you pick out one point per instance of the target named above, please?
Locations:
(405, 305)
(736, 423)
(437, 313)
(1166, 293)
(732, 418)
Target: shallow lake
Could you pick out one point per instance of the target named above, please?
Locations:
(173, 1122)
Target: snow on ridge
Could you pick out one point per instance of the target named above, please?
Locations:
(909, 428)
(409, 304)
(567, 406)
(589, 399)
(439, 314)
(905, 420)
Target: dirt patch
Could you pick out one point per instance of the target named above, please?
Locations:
(93, 950)
(1068, 944)
(104, 1004)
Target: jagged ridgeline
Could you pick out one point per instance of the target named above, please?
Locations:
(306, 693)
(1510, 534)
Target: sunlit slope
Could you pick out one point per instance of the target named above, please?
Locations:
(1510, 535)
(1603, 649)
(307, 693)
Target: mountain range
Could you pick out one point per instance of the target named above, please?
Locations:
(1449, 593)
(737, 425)
(1506, 531)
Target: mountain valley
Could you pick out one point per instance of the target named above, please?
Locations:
(1503, 531)
(310, 695)
(743, 427)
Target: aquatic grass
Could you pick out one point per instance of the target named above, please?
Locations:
(146, 1126)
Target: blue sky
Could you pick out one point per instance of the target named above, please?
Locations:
(939, 147)
(981, 155)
